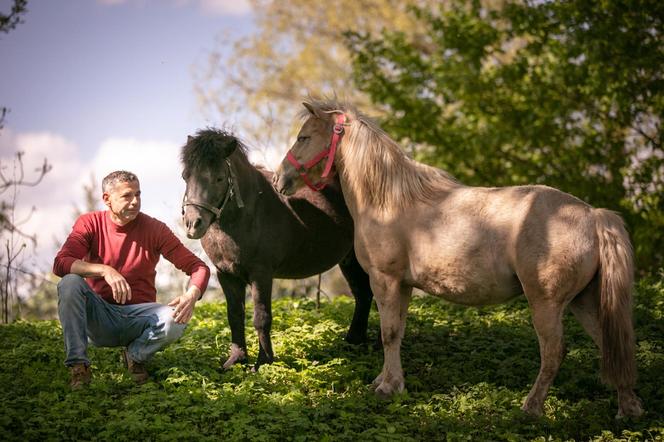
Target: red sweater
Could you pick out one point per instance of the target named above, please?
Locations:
(133, 250)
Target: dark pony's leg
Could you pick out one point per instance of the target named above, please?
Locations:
(358, 280)
(261, 293)
(234, 291)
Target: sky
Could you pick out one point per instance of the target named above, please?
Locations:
(100, 85)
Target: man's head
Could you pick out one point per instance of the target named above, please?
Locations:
(122, 195)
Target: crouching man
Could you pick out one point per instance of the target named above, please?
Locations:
(116, 251)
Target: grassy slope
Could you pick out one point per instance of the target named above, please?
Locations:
(467, 372)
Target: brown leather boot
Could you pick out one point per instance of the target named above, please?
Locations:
(81, 375)
(137, 370)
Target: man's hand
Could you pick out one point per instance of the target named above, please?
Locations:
(118, 283)
(184, 305)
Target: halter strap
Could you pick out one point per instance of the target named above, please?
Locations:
(329, 152)
(231, 190)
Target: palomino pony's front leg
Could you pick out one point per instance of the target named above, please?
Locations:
(392, 299)
(234, 291)
(261, 293)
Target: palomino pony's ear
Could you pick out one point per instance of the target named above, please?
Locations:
(313, 110)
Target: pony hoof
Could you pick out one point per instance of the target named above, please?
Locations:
(237, 356)
(630, 410)
(353, 339)
(532, 410)
(383, 392)
(387, 389)
(376, 382)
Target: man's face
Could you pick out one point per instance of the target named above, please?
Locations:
(124, 201)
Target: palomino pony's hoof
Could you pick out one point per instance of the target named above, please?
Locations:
(532, 410)
(633, 409)
(388, 389)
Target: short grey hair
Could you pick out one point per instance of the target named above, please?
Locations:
(113, 178)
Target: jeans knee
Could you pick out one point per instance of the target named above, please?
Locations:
(70, 286)
(172, 330)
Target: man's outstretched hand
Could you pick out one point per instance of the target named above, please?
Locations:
(184, 305)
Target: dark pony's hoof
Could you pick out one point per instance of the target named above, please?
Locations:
(237, 356)
(356, 339)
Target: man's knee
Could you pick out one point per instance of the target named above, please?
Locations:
(172, 330)
(71, 286)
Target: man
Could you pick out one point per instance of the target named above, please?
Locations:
(117, 250)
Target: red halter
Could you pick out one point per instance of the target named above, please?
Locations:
(328, 152)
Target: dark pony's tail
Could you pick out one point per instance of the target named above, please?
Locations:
(616, 279)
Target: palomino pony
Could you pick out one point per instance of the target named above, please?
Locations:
(415, 226)
(252, 234)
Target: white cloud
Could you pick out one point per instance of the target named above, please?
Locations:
(209, 7)
(156, 164)
(54, 197)
(225, 7)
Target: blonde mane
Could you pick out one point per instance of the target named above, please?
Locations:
(378, 171)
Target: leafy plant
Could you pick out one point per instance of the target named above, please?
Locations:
(467, 372)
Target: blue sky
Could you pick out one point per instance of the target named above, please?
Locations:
(98, 85)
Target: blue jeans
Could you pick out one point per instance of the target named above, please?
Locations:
(143, 328)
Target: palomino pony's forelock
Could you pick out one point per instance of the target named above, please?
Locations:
(389, 179)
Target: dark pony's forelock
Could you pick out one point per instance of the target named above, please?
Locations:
(209, 148)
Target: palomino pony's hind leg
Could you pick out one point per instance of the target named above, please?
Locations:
(585, 308)
(234, 291)
(392, 300)
(358, 281)
(547, 319)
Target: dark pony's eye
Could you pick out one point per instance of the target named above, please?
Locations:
(302, 138)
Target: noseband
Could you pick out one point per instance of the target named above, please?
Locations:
(231, 190)
(328, 152)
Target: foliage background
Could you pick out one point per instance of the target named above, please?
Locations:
(563, 93)
(467, 372)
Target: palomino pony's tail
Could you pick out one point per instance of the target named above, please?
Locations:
(616, 268)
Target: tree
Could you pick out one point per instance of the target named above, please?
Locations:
(8, 22)
(298, 49)
(567, 94)
(13, 237)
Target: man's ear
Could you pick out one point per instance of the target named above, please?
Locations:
(107, 199)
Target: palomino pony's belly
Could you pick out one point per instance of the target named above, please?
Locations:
(466, 285)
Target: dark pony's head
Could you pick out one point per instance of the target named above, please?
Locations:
(207, 170)
(208, 148)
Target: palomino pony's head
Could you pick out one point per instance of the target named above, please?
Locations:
(371, 166)
(210, 179)
(310, 160)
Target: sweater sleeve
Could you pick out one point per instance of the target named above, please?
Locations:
(76, 246)
(182, 258)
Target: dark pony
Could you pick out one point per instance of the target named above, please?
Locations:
(253, 234)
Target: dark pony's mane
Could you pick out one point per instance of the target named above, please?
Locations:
(210, 147)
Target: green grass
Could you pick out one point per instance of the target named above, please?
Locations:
(467, 372)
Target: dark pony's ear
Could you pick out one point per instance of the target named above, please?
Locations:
(313, 111)
(229, 146)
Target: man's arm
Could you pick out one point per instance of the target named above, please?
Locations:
(70, 260)
(117, 282)
(182, 258)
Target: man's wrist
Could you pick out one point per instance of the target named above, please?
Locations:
(195, 293)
